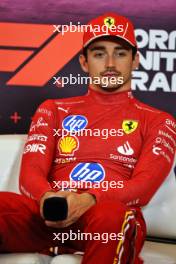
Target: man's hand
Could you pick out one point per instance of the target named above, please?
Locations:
(45, 196)
(78, 204)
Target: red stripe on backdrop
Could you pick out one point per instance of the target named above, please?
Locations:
(24, 35)
(11, 59)
(52, 58)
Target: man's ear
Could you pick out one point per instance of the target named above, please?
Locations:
(83, 63)
(136, 61)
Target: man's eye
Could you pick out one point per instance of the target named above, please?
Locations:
(121, 53)
(99, 54)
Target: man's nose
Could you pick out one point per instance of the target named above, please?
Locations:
(110, 61)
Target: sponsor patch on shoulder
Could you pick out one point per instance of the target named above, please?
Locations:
(129, 126)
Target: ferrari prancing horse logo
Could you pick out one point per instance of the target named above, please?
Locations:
(109, 21)
(129, 126)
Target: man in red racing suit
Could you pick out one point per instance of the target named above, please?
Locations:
(106, 152)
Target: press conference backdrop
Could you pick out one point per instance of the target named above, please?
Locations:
(33, 52)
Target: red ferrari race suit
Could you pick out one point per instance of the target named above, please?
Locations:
(123, 148)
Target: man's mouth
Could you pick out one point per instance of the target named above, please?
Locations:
(110, 74)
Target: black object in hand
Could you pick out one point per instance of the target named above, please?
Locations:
(55, 209)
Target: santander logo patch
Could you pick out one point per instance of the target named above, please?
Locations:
(125, 149)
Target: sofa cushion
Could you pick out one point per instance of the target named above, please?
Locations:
(21, 258)
(159, 253)
(152, 253)
(160, 213)
(11, 147)
(67, 259)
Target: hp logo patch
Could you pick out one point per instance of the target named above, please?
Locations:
(92, 172)
(74, 123)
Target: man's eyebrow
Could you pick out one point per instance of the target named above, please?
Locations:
(121, 48)
(103, 48)
(97, 48)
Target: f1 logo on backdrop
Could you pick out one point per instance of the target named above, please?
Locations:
(74, 123)
(92, 172)
(34, 53)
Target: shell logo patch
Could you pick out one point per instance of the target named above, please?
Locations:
(67, 145)
(129, 126)
(109, 21)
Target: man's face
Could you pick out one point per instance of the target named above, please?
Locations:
(112, 62)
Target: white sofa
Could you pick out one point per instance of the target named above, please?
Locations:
(160, 213)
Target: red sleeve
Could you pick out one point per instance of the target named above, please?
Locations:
(153, 166)
(38, 152)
